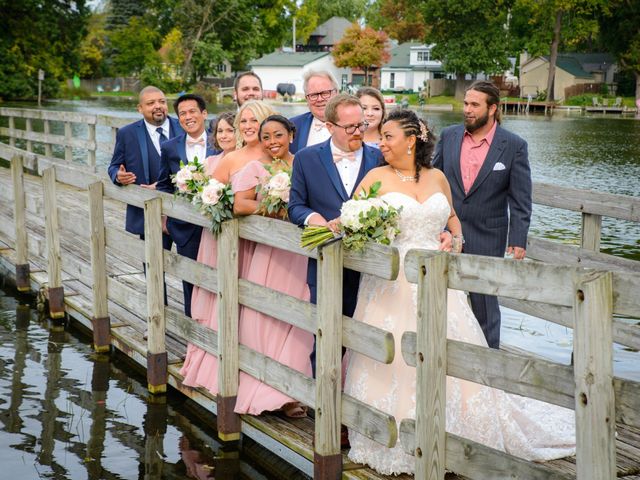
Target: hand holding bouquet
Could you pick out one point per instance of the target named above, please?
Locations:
(364, 219)
(275, 189)
(215, 200)
(190, 179)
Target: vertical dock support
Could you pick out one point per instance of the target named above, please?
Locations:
(91, 160)
(156, 348)
(590, 234)
(28, 127)
(327, 459)
(431, 368)
(593, 370)
(22, 246)
(100, 319)
(12, 133)
(48, 152)
(228, 371)
(54, 268)
(68, 151)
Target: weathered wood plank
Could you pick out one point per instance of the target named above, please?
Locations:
(329, 362)
(91, 153)
(590, 231)
(29, 129)
(68, 140)
(56, 115)
(53, 235)
(48, 152)
(47, 138)
(19, 206)
(623, 207)
(431, 368)
(99, 267)
(477, 461)
(593, 357)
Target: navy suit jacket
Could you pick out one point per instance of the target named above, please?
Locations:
(174, 151)
(303, 125)
(131, 150)
(499, 201)
(316, 187)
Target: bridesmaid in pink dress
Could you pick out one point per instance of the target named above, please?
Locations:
(278, 270)
(200, 368)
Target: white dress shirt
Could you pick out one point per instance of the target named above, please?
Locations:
(196, 150)
(316, 134)
(155, 136)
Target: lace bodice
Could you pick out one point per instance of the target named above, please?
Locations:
(420, 223)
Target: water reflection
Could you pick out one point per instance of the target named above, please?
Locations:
(68, 413)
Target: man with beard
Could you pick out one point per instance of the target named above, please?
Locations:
(136, 157)
(488, 170)
(247, 86)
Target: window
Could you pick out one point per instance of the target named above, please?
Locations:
(392, 80)
(424, 56)
(221, 67)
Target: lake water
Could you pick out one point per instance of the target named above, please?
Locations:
(55, 424)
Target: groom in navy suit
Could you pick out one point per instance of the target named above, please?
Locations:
(192, 114)
(136, 157)
(325, 176)
(488, 170)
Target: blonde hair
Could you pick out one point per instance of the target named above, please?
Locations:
(260, 110)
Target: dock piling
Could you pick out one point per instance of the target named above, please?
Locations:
(54, 268)
(100, 319)
(19, 216)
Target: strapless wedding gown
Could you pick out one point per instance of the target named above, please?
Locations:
(523, 427)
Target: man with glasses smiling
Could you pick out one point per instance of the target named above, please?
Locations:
(319, 87)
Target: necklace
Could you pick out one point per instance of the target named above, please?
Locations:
(404, 178)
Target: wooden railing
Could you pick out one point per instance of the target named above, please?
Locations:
(584, 299)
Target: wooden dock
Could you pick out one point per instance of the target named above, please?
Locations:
(61, 233)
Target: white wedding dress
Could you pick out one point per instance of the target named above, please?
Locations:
(523, 427)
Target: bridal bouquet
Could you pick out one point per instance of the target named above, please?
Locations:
(363, 219)
(275, 189)
(211, 197)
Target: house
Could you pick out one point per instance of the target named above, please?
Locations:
(572, 69)
(409, 67)
(288, 67)
(325, 36)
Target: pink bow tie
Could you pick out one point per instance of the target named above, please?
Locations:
(193, 142)
(338, 156)
(318, 125)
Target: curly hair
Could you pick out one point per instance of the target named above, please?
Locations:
(228, 117)
(425, 139)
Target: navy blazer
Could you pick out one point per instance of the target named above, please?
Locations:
(131, 150)
(303, 125)
(499, 201)
(174, 151)
(316, 187)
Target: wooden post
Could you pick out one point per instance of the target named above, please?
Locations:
(68, 151)
(92, 151)
(431, 368)
(100, 319)
(22, 246)
(593, 370)
(47, 146)
(29, 128)
(327, 460)
(228, 245)
(156, 348)
(54, 268)
(12, 127)
(590, 235)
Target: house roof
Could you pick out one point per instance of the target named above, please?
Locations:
(331, 31)
(287, 59)
(400, 55)
(570, 64)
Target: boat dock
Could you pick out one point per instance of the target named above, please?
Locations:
(62, 235)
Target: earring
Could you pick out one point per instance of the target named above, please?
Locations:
(409, 151)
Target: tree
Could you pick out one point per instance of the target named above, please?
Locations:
(399, 18)
(469, 36)
(39, 35)
(134, 47)
(621, 35)
(361, 48)
(352, 10)
(122, 11)
(92, 48)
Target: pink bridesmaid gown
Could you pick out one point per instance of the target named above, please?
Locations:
(285, 272)
(200, 369)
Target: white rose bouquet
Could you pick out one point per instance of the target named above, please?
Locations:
(275, 189)
(190, 179)
(215, 200)
(363, 219)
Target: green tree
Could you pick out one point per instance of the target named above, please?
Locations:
(469, 35)
(399, 18)
(92, 48)
(361, 48)
(39, 35)
(134, 47)
(121, 12)
(352, 10)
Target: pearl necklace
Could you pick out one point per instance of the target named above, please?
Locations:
(403, 177)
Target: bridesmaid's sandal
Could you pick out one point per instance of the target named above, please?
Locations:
(294, 410)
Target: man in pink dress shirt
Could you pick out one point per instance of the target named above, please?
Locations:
(488, 169)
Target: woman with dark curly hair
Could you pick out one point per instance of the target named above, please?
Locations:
(520, 426)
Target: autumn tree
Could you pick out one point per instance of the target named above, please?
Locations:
(399, 18)
(362, 48)
(469, 35)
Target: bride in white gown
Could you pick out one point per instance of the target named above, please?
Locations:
(523, 427)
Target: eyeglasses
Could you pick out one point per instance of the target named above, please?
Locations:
(325, 95)
(351, 129)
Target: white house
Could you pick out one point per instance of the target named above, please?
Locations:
(288, 67)
(409, 67)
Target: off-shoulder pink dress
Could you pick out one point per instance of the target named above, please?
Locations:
(200, 369)
(285, 272)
